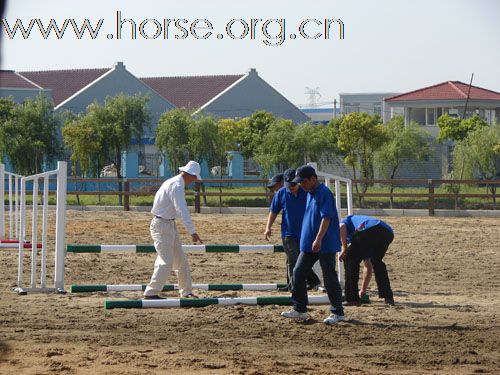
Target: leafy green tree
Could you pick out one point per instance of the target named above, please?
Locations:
(404, 143)
(456, 129)
(204, 141)
(278, 147)
(231, 133)
(172, 136)
(359, 135)
(112, 126)
(314, 141)
(85, 137)
(28, 135)
(255, 127)
(478, 155)
(7, 106)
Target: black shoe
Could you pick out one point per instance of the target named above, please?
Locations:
(352, 303)
(155, 296)
(189, 295)
(389, 301)
(284, 289)
(313, 286)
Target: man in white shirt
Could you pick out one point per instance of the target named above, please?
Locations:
(169, 204)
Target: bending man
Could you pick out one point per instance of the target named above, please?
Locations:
(365, 238)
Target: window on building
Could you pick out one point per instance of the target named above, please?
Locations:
(439, 113)
(377, 109)
(417, 115)
(430, 116)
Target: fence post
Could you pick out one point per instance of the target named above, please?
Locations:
(197, 206)
(430, 183)
(126, 191)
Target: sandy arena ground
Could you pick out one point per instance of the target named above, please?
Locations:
(444, 274)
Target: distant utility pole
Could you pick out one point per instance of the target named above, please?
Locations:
(314, 96)
(334, 108)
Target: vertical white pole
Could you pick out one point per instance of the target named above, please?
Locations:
(45, 213)
(21, 234)
(349, 198)
(17, 180)
(11, 214)
(2, 203)
(34, 233)
(60, 224)
(338, 201)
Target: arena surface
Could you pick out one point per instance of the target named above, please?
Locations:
(444, 272)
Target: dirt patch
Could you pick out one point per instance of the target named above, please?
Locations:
(444, 274)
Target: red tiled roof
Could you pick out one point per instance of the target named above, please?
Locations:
(12, 80)
(450, 90)
(64, 83)
(190, 92)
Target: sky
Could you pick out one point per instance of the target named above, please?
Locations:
(387, 46)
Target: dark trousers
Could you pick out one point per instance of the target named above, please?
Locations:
(302, 268)
(373, 242)
(291, 247)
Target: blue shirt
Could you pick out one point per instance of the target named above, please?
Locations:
(359, 223)
(292, 208)
(320, 205)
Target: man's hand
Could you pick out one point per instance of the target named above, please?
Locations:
(196, 238)
(316, 246)
(343, 253)
(267, 233)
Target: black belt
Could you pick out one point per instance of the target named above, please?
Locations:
(159, 217)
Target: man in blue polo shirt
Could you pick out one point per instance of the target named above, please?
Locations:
(291, 200)
(319, 240)
(368, 239)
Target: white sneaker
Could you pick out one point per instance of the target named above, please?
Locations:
(332, 319)
(294, 314)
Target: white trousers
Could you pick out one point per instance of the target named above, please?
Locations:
(170, 256)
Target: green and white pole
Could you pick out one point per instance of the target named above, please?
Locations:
(170, 287)
(187, 248)
(202, 302)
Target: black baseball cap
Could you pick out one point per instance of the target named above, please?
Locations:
(276, 179)
(288, 176)
(305, 171)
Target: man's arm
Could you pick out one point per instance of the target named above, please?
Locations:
(180, 204)
(367, 276)
(343, 240)
(270, 220)
(323, 227)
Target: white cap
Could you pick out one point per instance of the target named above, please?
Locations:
(193, 168)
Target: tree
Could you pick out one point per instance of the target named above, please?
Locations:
(129, 118)
(404, 143)
(255, 127)
(456, 129)
(28, 134)
(359, 135)
(231, 133)
(313, 141)
(172, 136)
(204, 141)
(478, 155)
(278, 147)
(112, 126)
(7, 106)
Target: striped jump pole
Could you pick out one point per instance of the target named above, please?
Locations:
(187, 248)
(170, 287)
(202, 302)
(15, 245)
